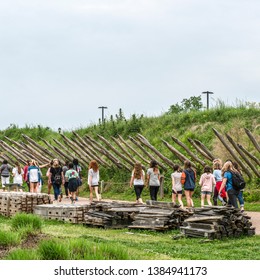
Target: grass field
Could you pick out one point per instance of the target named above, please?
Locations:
(27, 237)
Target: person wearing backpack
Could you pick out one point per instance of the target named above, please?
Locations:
(227, 173)
(188, 178)
(241, 192)
(56, 178)
(5, 170)
(153, 179)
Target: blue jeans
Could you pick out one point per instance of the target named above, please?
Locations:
(232, 197)
(240, 198)
(57, 190)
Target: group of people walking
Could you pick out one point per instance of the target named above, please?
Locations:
(215, 182)
(69, 175)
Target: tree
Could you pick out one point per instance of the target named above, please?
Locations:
(190, 104)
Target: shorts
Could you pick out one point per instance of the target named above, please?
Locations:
(94, 186)
(205, 192)
(178, 192)
(73, 185)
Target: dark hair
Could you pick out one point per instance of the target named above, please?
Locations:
(176, 167)
(5, 161)
(75, 161)
(187, 164)
(207, 169)
(67, 162)
(70, 165)
(154, 164)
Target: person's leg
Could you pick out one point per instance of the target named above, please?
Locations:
(232, 198)
(152, 192)
(215, 196)
(202, 198)
(241, 200)
(56, 191)
(156, 192)
(191, 200)
(90, 194)
(187, 195)
(96, 193)
(208, 196)
(180, 200)
(174, 197)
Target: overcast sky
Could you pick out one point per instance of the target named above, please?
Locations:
(60, 60)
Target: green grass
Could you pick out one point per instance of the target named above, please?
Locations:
(64, 241)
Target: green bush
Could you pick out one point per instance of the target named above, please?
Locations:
(8, 239)
(29, 221)
(53, 250)
(22, 254)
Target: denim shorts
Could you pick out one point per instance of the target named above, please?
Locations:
(205, 192)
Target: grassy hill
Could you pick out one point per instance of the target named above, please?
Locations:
(194, 124)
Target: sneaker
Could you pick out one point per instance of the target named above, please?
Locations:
(77, 199)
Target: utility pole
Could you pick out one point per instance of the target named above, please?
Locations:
(103, 108)
(208, 93)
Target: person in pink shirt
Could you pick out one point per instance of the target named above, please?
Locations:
(207, 182)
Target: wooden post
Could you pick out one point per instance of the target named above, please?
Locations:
(251, 137)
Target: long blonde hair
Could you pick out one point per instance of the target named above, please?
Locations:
(228, 166)
(138, 170)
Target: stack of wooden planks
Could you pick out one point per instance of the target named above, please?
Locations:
(111, 214)
(17, 202)
(216, 222)
(62, 212)
(160, 216)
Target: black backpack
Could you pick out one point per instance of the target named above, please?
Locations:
(57, 177)
(238, 182)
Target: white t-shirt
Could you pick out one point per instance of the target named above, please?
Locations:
(18, 178)
(177, 181)
(93, 177)
(139, 182)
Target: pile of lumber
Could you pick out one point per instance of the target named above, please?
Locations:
(111, 214)
(160, 216)
(216, 222)
(17, 202)
(62, 212)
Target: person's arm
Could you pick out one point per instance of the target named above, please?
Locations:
(173, 184)
(49, 177)
(63, 177)
(131, 180)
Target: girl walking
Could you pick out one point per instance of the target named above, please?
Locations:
(71, 176)
(176, 185)
(188, 178)
(138, 178)
(18, 175)
(93, 179)
(207, 182)
(153, 179)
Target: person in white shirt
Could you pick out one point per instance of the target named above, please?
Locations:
(93, 180)
(18, 175)
(138, 179)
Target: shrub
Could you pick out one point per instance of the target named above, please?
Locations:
(53, 250)
(8, 239)
(28, 221)
(21, 254)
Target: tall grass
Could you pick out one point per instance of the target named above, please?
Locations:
(8, 239)
(27, 221)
